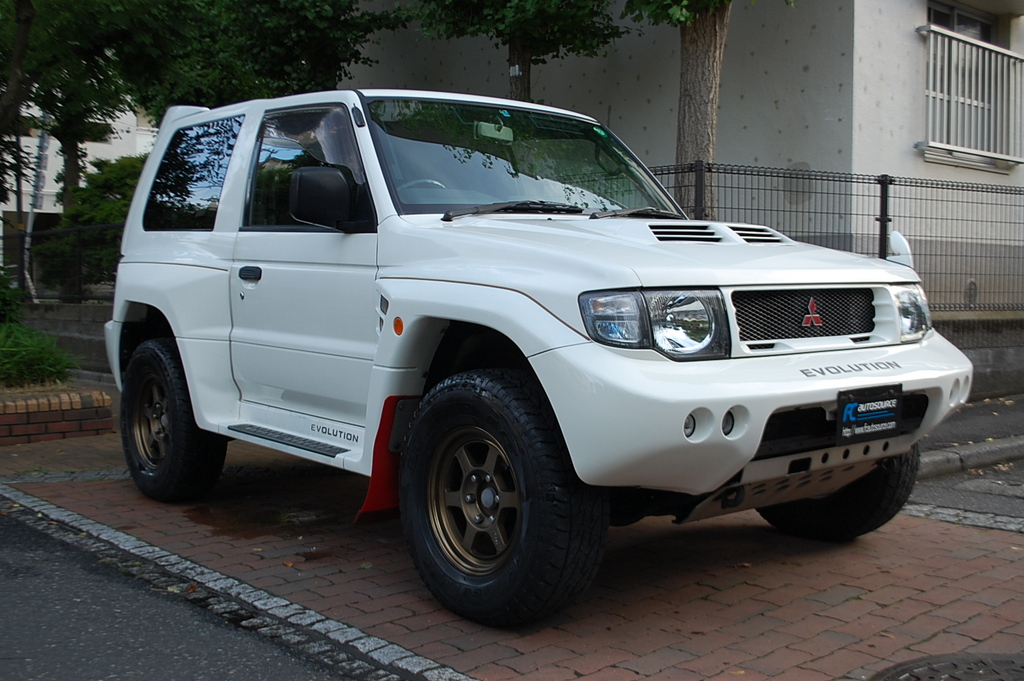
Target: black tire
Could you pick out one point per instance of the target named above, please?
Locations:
(859, 508)
(168, 456)
(500, 528)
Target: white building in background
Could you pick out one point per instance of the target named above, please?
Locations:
(913, 88)
(133, 134)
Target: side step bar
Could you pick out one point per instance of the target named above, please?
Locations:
(288, 439)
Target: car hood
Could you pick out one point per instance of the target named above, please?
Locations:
(555, 258)
(634, 252)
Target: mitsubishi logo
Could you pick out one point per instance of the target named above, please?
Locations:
(812, 318)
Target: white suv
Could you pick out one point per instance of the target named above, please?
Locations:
(493, 310)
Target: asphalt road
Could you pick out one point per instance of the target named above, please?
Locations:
(991, 419)
(997, 489)
(64, 615)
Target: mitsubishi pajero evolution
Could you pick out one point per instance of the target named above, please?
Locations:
(494, 311)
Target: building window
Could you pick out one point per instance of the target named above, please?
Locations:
(965, 22)
(973, 93)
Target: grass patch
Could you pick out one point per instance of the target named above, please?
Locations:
(29, 357)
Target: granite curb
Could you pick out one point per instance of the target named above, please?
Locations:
(949, 460)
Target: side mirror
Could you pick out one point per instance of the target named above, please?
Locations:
(900, 248)
(320, 196)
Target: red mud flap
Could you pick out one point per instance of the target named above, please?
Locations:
(381, 501)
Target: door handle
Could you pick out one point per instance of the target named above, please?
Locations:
(250, 273)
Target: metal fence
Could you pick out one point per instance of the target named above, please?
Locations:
(64, 265)
(967, 238)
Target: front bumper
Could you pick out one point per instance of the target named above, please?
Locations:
(622, 413)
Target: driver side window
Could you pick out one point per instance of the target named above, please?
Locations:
(290, 140)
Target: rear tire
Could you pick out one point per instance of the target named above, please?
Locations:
(500, 528)
(861, 507)
(168, 456)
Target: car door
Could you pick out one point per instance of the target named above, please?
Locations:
(304, 322)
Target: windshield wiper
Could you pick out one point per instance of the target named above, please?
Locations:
(514, 207)
(645, 212)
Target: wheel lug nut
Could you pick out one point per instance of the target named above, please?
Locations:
(487, 478)
(473, 478)
(497, 499)
(478, 519)
(470, 498)
(491, 518)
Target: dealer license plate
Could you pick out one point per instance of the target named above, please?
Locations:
(869, 414)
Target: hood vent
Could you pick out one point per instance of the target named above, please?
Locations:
(691, 233)
(753, 234)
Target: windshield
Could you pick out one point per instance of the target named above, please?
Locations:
(443, 156)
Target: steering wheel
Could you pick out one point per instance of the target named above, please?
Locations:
(423, 181)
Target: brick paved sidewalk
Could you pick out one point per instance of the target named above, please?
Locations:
(724, 598)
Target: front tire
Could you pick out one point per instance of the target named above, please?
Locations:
(500, 528)
(168, 456)
(861, 507)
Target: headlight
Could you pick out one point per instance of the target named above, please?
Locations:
(680, 324)
(912, 306)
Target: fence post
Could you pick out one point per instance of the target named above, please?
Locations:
(699, 207)
(884, 182)
(22, 283)
(79, 288)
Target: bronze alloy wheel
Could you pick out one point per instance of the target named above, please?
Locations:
(151, 425)
(167, 455)
(473, 501)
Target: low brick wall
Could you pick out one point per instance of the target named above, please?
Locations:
(38, 418)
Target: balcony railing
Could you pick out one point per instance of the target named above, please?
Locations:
(973, 96)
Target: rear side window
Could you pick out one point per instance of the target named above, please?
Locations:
(187, 187)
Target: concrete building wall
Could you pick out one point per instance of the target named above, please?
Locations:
(787, 83)
(131, 136)
(634, 87)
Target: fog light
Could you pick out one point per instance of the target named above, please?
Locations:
(689, 426)
(728, 422)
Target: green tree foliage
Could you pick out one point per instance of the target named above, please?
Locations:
(532, 30)
(83, 62)
(233, 51)
(103, 199)
(73, 66)
(16, 19)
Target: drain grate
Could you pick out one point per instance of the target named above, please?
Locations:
(961, 667)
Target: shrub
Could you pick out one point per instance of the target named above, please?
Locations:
(103, 200)
(29, 357)
(11, 299)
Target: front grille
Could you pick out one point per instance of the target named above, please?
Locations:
(816, 313)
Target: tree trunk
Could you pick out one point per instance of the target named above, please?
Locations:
(702, 43)
(10, 100)
(72, 151)
(518, 71)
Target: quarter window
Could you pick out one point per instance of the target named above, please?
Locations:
(186, 190)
